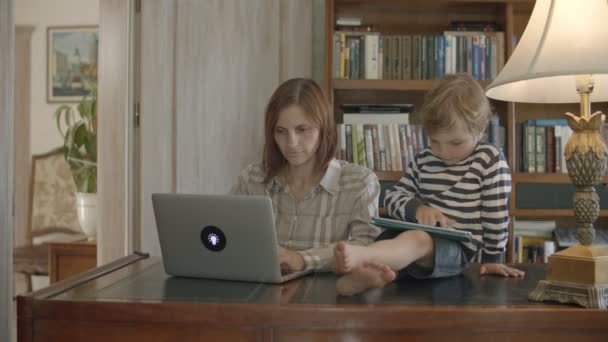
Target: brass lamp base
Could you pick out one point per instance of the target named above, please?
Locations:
(576, 275)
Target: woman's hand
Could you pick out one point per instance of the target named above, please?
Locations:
(501, 269)
(432, 216)
(291, 260)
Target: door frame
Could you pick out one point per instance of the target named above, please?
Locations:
(7, 53)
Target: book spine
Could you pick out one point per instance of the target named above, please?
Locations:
(386, 53)
(342, 54)
(407, 58)
(550, 149)
(354, 140)
(388, 148)
(371, 56)
(397, 145)
(349, 142)
(410, 144)
(403, 146)
(381, 148)
(361, 48)
(416, 67)
(395, 57)
(342, 135)
(369, 146)
(376, 148)
(441, 56)
(361, 153)
(540, 150)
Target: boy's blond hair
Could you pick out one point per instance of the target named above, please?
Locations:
(456, 97)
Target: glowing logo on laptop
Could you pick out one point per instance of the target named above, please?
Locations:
(213, 238)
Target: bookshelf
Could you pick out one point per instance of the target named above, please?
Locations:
(433, 17)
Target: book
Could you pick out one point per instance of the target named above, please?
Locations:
(534, 228)
(446, 232)
(348, 21)
(566, 237)
(377, 108)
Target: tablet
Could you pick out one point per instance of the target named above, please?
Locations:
(446, 232)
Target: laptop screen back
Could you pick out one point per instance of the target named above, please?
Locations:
(226, 237)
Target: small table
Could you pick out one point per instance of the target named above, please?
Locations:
(67, 259)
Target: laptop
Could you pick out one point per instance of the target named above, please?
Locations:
(228, 237)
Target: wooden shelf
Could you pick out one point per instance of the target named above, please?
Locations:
(441, 1)
(432, 17)
(388, 176)
(545, 178)
(549, 212)
(407, 85)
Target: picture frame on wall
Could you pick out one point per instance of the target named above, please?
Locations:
(72, 60)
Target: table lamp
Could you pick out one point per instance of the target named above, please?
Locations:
(562, 57)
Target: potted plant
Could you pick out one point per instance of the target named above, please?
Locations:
(79, 132)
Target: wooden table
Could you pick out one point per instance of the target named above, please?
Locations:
(132, 299)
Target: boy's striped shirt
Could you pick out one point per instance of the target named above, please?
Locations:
(474, 192)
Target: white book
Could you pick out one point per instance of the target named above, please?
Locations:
(448, 55)
(371, 60)
(348, 21)
(409, 143)
(546, 225)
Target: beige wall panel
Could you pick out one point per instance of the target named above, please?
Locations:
(296, 39)
(157, 112)
(226, 68)
(7, 49)
(22, 166)
(208, 69)
(114, 128)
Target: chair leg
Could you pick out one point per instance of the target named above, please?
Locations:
(28, 282)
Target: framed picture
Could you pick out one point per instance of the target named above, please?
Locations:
(71, 62)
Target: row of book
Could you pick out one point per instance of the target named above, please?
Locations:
(370, 55)
(542, 145)
(379, 137)
(535, 241)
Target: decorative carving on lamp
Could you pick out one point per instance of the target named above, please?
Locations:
(586, 155)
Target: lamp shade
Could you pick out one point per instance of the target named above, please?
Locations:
(564, 38)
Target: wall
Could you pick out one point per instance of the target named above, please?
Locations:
(41, 14)
(6, 166)
(203, 99)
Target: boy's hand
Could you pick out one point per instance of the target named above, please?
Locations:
(501, 269)
(432, 217)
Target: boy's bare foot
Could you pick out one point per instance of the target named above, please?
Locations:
(346, 257)
(366, 276)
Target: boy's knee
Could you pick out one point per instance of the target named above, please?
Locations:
(421, 238)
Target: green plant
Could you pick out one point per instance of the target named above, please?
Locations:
(80, 141)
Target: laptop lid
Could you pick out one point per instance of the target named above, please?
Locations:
(228, 237)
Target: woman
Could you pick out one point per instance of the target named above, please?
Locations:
(317, 200)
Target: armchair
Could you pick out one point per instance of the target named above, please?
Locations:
(52, 214)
